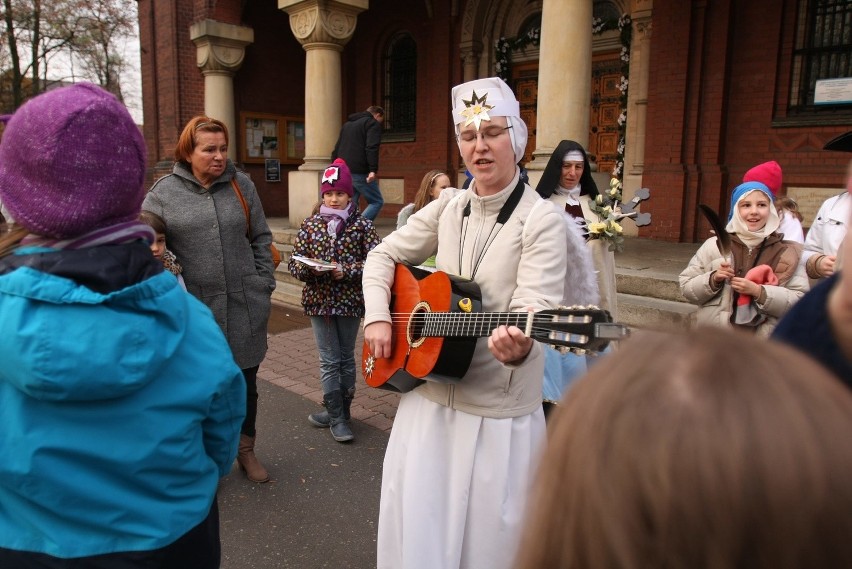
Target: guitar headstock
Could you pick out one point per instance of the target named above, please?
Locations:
(579, 329)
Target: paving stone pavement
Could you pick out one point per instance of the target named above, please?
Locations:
(321, 507)
(292, 362)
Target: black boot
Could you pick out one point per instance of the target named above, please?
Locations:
(339, 425)
(321, 419)
(348, 395)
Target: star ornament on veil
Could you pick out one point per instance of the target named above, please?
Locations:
(476, 109)
(331, 175)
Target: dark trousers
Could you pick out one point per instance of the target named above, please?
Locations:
(199, 548)
(250, 375)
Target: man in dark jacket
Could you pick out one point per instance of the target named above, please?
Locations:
(358, 145)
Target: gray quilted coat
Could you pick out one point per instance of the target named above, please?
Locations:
(206, 230)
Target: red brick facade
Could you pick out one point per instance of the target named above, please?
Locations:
(719, 82)
(718, 91)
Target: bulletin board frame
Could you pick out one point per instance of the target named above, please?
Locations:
(269, 136)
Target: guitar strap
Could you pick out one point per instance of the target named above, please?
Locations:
(502, 217)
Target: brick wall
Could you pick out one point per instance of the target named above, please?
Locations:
(717, 96)
(717, 100)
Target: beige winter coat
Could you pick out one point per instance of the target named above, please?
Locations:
(524, 267)
(716, 306)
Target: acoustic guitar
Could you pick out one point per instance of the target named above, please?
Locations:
(437, 319)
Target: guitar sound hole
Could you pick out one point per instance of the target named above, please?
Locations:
(417, 324)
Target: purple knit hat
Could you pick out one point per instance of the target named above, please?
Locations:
(337, 178)
(72, 160)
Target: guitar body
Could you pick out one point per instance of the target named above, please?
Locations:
(437, 320)
(416, 291)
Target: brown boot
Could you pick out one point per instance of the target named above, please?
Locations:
(248, 461)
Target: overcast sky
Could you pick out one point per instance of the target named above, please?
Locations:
(131, 82)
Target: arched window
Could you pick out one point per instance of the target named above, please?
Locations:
(823, 51)
(400, 97)
(605, 10)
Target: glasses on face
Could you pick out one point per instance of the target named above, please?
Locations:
(489, 134)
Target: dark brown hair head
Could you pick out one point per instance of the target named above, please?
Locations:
(153, 220)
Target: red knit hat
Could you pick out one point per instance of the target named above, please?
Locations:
(768, 174)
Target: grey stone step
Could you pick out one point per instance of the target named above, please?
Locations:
(654, 313)
(650, 284)
(287, 294)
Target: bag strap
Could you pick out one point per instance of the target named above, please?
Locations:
(244, 204)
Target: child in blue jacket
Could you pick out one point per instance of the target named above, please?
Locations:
(120, 399)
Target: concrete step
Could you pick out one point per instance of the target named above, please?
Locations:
(654, 313)
(286, 278)
(287, 294)
(649, 284)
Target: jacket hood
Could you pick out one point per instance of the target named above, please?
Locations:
(64, 341)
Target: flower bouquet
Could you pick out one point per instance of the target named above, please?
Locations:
(610, 209)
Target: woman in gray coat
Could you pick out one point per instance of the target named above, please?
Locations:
(226, 260)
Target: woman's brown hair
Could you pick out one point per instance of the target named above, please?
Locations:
(424, 193)
(709, 449)
(186, 141)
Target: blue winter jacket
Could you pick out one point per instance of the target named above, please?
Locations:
(121, 404)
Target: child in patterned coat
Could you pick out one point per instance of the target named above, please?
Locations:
(340, 237)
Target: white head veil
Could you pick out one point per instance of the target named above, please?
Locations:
(481, 99)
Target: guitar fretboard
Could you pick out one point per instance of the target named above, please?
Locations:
(477, 325)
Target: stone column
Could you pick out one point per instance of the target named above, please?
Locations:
(564, 78)
(323, 27)
(637, 95)
(220, 49)
(470, 53)
(637, 104)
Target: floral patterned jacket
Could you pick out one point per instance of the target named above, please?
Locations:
(322, 295)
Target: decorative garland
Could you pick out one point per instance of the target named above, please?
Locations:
(505, 46)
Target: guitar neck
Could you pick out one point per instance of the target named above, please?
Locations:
(471, 325)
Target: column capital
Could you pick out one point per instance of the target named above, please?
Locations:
(329, 22)
(221, 47)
